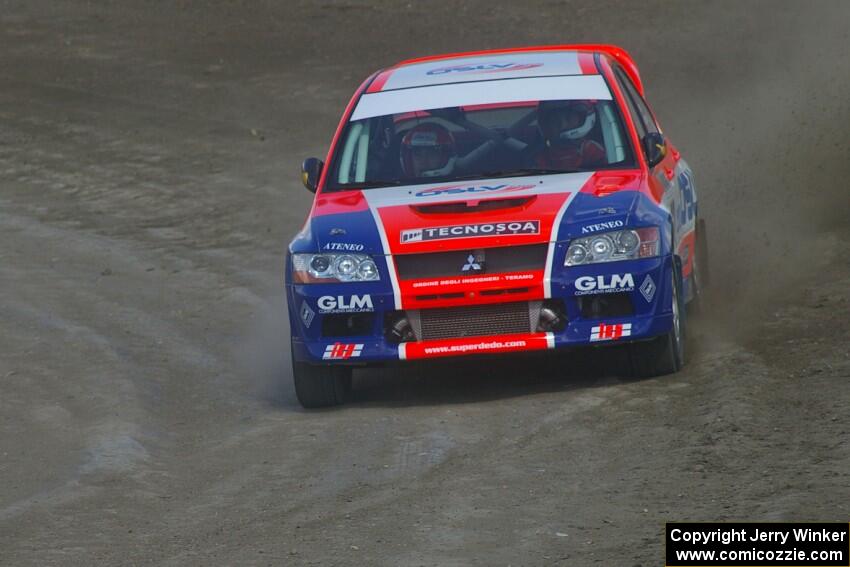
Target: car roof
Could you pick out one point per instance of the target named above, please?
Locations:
(476, 66)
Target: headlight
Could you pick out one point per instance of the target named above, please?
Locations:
(321, 268)
(613, 246)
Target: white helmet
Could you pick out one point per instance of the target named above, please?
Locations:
(428, 150)
(565, 121)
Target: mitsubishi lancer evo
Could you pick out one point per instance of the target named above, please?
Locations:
(489, 203)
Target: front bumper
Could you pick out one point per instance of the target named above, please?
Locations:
(645, 285)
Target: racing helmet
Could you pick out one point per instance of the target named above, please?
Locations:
(428, 150)
(564, 121)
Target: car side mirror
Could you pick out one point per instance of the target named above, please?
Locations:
(654, 148)
(311, 169)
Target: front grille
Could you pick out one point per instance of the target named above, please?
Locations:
(498, 260)
(475, 321)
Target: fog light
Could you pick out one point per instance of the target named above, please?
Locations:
(553, 317)
(401, 331)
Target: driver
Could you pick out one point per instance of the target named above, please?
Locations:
(428, 150)
(564, 126)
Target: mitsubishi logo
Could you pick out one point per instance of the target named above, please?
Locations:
(474, 263)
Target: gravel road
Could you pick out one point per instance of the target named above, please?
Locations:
(149, 156)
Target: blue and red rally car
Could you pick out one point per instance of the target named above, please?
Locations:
(488, 203)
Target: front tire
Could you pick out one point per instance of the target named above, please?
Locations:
(665, 354)
(320, 386)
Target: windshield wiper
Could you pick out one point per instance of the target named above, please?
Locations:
(378, 183)
(369, 184)
(526, 171)
(512, 173)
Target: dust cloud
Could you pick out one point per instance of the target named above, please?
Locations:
(770, 153)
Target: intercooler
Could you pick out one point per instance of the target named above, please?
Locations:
(475, 321)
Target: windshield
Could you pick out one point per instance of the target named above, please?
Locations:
(480, 141)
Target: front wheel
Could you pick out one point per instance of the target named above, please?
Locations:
(320, 386)
(665, 354)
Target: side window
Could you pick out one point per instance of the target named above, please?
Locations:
(633, 112)
(639, 103)
(352, 166)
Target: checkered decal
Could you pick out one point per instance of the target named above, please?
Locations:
(610, 332)
(341, 351)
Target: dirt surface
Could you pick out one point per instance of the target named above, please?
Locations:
(149, 157)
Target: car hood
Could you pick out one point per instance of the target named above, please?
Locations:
(473, 214)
